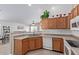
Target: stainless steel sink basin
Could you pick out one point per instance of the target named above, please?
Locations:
(73, 43)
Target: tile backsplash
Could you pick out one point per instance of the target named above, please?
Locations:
(57, 31)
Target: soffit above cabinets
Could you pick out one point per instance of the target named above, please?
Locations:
(24, 13)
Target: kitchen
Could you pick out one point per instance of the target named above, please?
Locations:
(28, 32)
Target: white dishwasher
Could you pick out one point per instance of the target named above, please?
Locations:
(47, 42)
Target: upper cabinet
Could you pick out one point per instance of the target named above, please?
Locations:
(72, 12)
(78, 9)
(61, 23)
(49, 23)
(44, 24)
(75, 11)
(54, 23)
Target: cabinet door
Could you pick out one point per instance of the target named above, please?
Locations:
(38, 42)
(17, 47)
(56, 44)
(62, 45)
(31, 44)
(75, 12)
(25, 46)
(61, 23)
(52, 23)
(68, 22)
(44, 24)
(72, 12)
(78, 9)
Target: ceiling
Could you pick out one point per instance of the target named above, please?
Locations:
(25, 14)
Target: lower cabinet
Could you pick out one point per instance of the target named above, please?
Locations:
(38, 43)
(58, 44)
(17, 46)
(31, 43)
(25, 46)
(35, 43)
(22, 46)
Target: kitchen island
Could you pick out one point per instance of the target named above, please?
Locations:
(33, 42)
(23, 44)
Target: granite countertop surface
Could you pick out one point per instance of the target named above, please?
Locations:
(27, 36)
(21, 36)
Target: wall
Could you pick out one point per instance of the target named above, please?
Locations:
(13, 26)
(57, 31)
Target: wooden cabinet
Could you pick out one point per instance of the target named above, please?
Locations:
(62, 45)
(22, 46)
(78, 9)
(75, 11)
(52, 23)
(35, 43)
(68, 22)
(61, 23)
(72, 12)
(58, 44)
(48, 23)
(17, 46)
(25, 46)
(38, 43)
(31, 43)
(44, 24)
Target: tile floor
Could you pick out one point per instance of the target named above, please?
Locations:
(5, 49)
(43, 52)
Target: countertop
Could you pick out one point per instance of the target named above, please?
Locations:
(22, 37)
(75, 50)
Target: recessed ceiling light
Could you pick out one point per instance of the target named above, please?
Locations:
(29, 4)
(53, 8)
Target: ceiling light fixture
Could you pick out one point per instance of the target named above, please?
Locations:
(53, 8)
(29, 4)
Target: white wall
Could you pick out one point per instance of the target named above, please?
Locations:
(57, 31)
(13, 26)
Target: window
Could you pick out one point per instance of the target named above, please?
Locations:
(34, 28)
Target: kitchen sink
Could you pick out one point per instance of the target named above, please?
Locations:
(73, 43)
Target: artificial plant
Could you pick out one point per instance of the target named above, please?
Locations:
(45, 14)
